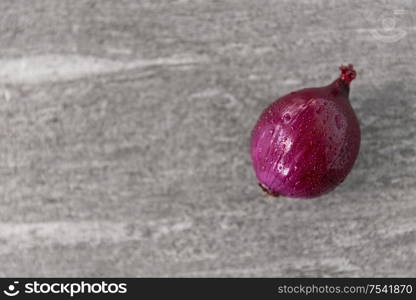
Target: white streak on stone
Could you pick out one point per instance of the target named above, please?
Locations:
(18, 235)
(55, 68)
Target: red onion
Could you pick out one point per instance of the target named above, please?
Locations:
(305, 143)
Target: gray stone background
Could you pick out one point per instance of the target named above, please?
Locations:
(125, 130)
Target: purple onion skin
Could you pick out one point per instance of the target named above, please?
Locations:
(305, 143)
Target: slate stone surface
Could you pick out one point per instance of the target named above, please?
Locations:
(125, 130)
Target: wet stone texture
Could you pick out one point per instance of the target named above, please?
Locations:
(125, 128)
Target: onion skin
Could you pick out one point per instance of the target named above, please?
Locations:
(305, 143)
